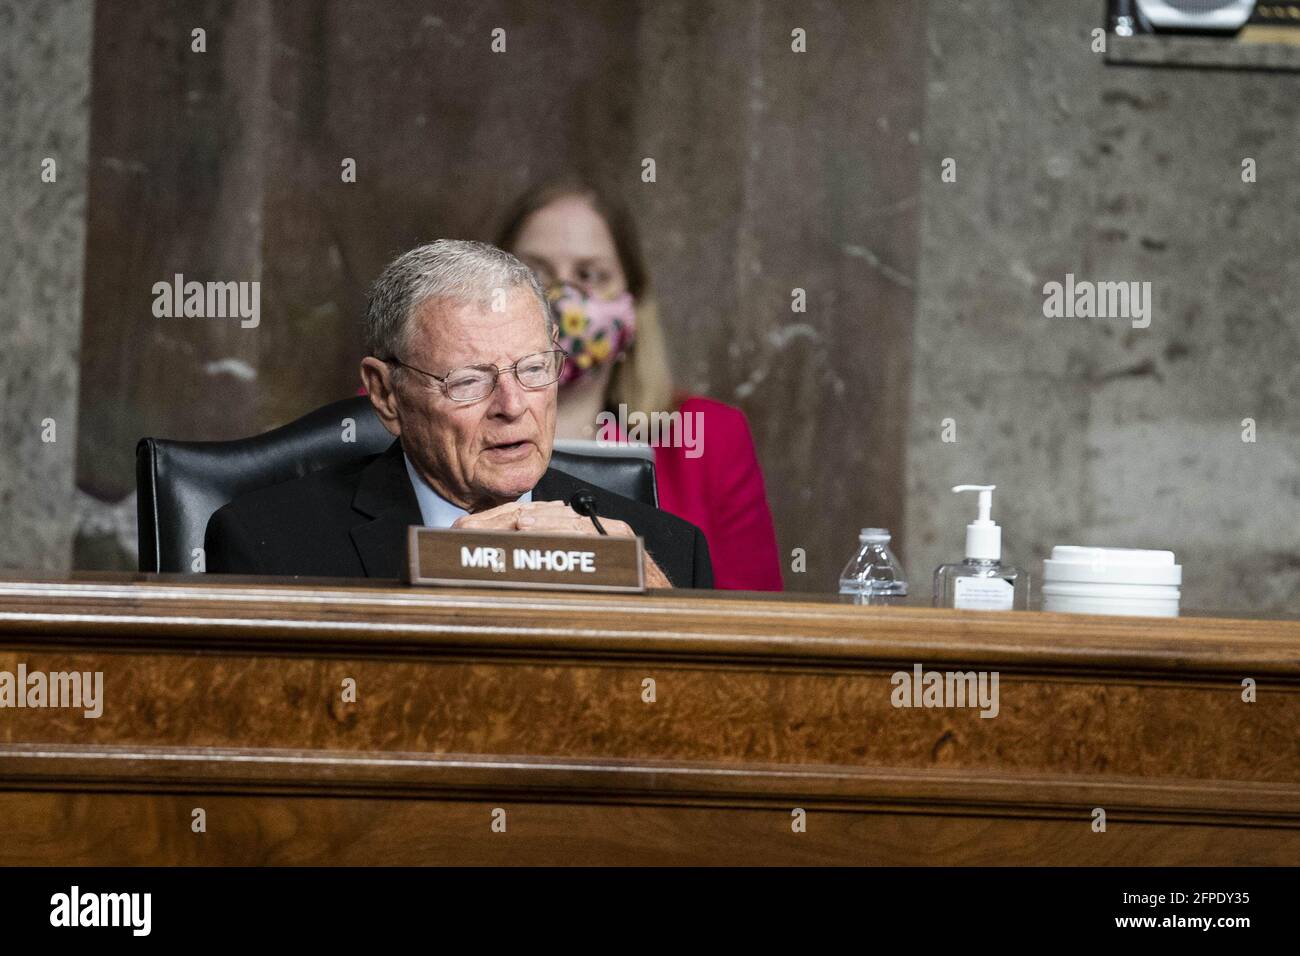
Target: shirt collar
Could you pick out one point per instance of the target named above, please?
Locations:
(435, 510)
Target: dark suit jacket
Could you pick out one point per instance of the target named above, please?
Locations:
(351, 521)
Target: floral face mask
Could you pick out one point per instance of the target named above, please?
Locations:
(594, 331)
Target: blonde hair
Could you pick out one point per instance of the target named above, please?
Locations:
(643, 380)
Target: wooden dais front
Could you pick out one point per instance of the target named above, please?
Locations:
(316, 722)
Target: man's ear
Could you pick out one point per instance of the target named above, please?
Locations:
(377, 377)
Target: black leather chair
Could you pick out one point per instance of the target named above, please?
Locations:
(180, 484)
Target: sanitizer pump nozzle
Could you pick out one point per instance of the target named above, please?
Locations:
(983, 536)
(981, 582)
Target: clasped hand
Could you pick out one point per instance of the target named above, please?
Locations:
(554, 516)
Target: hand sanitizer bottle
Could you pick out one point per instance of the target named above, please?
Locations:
(982, 581)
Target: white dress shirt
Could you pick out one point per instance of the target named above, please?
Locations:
(436, 510)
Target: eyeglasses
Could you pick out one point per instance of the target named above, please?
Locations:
(475, 382)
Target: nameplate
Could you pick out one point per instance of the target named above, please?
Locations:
(521, 559)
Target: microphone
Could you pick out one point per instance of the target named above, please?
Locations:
(583, 501)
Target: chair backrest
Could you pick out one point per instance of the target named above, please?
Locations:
(180, 484)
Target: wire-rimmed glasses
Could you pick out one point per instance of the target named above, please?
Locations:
(471, 383)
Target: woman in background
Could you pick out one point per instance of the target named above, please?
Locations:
(583, 247)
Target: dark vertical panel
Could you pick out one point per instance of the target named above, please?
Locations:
(776, 170)
(176, 160)
(780, 170)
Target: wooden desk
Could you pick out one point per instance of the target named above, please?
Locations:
(226, 694)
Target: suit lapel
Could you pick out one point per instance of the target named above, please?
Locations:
(384, 494)
(552, 486)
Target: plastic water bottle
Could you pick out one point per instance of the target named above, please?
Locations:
(873, 570)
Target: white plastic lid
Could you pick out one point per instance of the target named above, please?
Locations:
(1072, 563)
(873, 534)
(983, 536)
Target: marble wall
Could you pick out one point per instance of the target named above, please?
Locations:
(44, 115)
(1095, 431)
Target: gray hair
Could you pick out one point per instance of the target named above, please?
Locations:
(456, 270)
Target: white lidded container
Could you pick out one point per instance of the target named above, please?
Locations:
(1111, 581)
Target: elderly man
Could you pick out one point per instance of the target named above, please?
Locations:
(462, 371)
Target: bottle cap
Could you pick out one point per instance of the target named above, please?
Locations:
(873, 534)
(983, 536)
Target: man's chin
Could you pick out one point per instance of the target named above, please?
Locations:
(508, 480)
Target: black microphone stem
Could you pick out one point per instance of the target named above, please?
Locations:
(584, 502)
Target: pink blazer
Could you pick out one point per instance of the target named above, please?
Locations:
(721, 492)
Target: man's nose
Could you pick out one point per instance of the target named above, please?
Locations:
(509, 398)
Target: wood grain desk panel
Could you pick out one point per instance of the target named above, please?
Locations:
(225, 693)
